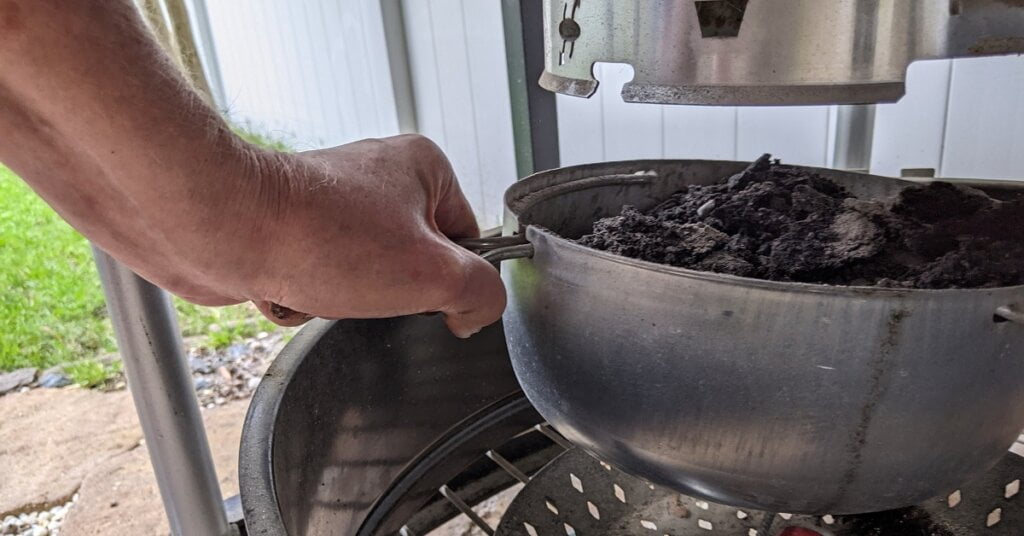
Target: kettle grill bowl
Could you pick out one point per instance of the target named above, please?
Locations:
(770, 395)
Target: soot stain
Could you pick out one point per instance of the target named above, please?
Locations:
(880, 367)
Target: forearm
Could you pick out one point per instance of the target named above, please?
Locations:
(99, 122)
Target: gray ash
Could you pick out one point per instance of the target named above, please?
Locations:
(785, 223)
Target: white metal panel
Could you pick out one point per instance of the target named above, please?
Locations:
(494, 141)
(460, 83)
(606, 128)
(700, 132)
(580, 130)
(795, 134)
(909, 133)
(456, 95)
(985, 123)
(314, 73)
(423, 69)
(630, 130)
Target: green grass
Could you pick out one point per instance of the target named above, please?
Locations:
(51, 305)
(256, 137)
(92, 373)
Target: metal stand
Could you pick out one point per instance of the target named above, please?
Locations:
(855, 131)
(534, 112)
(161, 386)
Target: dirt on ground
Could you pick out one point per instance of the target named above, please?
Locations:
(787, 223)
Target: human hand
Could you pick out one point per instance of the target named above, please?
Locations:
(365, 230)
(137, 162)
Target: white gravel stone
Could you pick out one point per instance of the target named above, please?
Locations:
(42, 523)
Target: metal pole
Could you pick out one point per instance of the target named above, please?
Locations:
(393, 17)
(158, 376)
(534, 112)
(855, 132)
(207, 48)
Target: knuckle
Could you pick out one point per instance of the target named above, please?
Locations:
(447, 273)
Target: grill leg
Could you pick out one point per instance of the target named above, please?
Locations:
(161, 386)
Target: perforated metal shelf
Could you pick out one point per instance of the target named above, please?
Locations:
(578, 495)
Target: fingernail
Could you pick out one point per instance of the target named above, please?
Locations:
(466, 335)
(281, 312)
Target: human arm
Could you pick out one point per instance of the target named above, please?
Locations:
(99, 122)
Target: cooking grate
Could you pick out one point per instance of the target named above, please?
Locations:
(577, 495)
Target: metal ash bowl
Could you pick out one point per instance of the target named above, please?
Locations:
(772, 395)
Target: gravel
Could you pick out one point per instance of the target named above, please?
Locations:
(41, 523)
(219, 376)
(233, 373)
(17, 379)
(54, 377)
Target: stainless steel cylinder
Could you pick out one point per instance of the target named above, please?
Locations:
(753, 52)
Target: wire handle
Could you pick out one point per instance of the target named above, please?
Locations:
(492, 249)
(1008, 314)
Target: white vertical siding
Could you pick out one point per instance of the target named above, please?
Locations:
(964, 118)
(909, 134)
(314, 73)
(796, 134)
(699, 132)
(606, 128)
(984, 135)
(630, 130)
(460, 83)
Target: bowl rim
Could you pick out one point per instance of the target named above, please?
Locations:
(526, 192)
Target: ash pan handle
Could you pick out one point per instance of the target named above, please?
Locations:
(1007, 313)
(499, 248)
(492, 249)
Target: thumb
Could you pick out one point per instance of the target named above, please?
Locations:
(481, 299)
